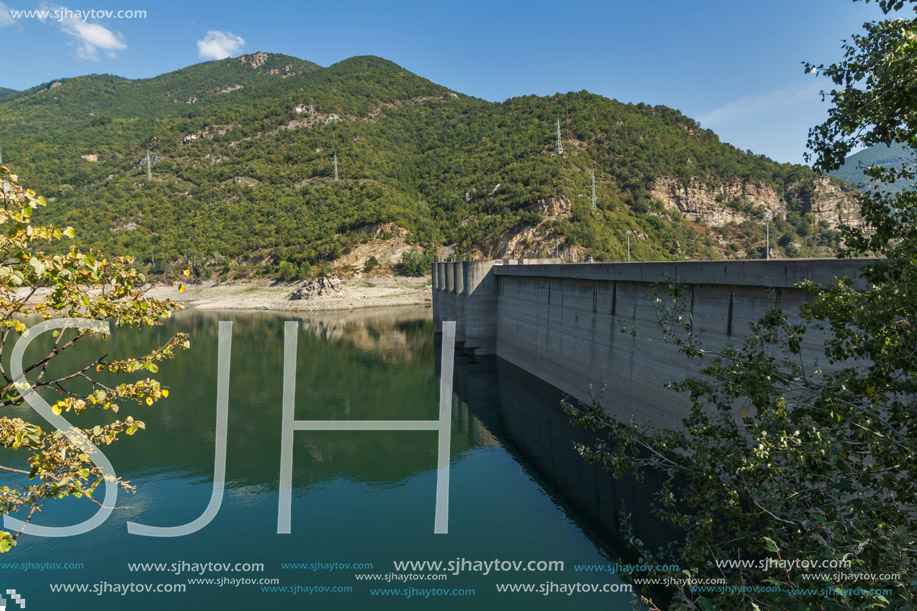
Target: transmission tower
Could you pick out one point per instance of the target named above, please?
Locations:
(335, 166)
(559, 147)
(593, 190)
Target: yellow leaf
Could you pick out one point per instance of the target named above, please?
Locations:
(870, 390)
(187, 272)
(149, 401)
(165, 392)
(181, 288)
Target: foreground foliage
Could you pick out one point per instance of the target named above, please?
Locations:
(74, 285)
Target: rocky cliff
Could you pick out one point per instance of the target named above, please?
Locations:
(736, 201)
(828, 201)
(534, 241)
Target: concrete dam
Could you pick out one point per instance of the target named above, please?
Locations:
(565, 323)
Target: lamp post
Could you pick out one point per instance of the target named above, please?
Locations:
(628, 245)
(767, 240)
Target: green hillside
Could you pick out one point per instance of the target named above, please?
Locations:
(5, 93)
(894, 156)
(242, 167)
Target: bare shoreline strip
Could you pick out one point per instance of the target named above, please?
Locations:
(383, 291)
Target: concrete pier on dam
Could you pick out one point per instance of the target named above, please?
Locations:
(563, 322)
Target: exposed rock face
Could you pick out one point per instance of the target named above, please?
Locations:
(255, 60)
(829, 202)
(552, 207)
(531, 242)
(525, 243)
(320, 287)
(125, 227)
(378, 230)
(312, 118)
(535, 241)
(283, 72)
(732, 201)
(388, 245)
(246, 181)
(700, 202)
(206, 133)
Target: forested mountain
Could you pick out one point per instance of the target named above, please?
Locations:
(895, 156)
(242, 162)
(5, 93)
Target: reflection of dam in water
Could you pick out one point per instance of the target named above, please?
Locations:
(499, 404)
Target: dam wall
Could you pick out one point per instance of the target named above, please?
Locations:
(587, 327)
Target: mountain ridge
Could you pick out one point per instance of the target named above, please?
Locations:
(242, 152)
(885, 156)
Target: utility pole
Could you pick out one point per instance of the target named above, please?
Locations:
(335, 166)
(567, 118)
(767, 240)
(593, 191)
(559, 147)
(1, 155)
(628, 245)
(149, 171)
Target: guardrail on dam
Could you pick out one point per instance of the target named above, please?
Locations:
(563, 322)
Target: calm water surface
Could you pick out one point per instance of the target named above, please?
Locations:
(517, 492)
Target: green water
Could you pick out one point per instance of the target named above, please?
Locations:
(358, 497)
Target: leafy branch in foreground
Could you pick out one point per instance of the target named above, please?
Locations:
(777, 461)
(780, 460)
(75, 285)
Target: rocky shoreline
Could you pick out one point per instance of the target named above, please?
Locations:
(317, 295)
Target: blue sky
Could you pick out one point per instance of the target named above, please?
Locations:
(733, 65)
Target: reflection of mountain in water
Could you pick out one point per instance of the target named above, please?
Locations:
(350, 366)
(390, 332)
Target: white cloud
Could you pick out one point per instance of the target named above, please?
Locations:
(749, 106)
(5, 17)
(88, 37)
(91, 37)
(218, 44)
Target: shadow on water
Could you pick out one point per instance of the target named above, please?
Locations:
(523, 414)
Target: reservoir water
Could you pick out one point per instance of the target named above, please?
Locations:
(362, 501)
